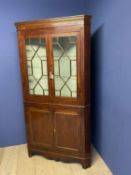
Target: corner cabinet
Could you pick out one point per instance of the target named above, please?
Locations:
(55, 69)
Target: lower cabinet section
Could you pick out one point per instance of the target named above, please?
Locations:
(57, 133)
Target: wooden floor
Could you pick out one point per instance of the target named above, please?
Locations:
(14, 161)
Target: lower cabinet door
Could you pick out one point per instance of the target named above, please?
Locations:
(39, 127)
(67, 131)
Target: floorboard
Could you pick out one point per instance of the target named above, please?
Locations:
(14, 160)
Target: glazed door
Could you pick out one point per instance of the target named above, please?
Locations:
(65, 65)
(37, 66)
(52, 66)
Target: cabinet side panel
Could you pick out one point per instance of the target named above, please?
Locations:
(87, 64)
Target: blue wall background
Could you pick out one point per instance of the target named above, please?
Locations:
(12, 128)
(111, 60)
(111, 71)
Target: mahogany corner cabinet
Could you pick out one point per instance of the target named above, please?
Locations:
(55, 68)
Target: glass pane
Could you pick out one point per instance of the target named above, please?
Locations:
(65, 69)
(37, 66)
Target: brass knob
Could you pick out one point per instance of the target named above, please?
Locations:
(51, 76)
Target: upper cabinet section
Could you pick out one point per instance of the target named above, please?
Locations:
(54, 57)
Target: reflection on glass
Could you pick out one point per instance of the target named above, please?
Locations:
(65, 69)
(37, 66)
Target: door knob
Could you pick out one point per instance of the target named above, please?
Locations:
(51, 76)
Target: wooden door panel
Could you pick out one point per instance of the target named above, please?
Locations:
(40, 127)
(67, 131)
